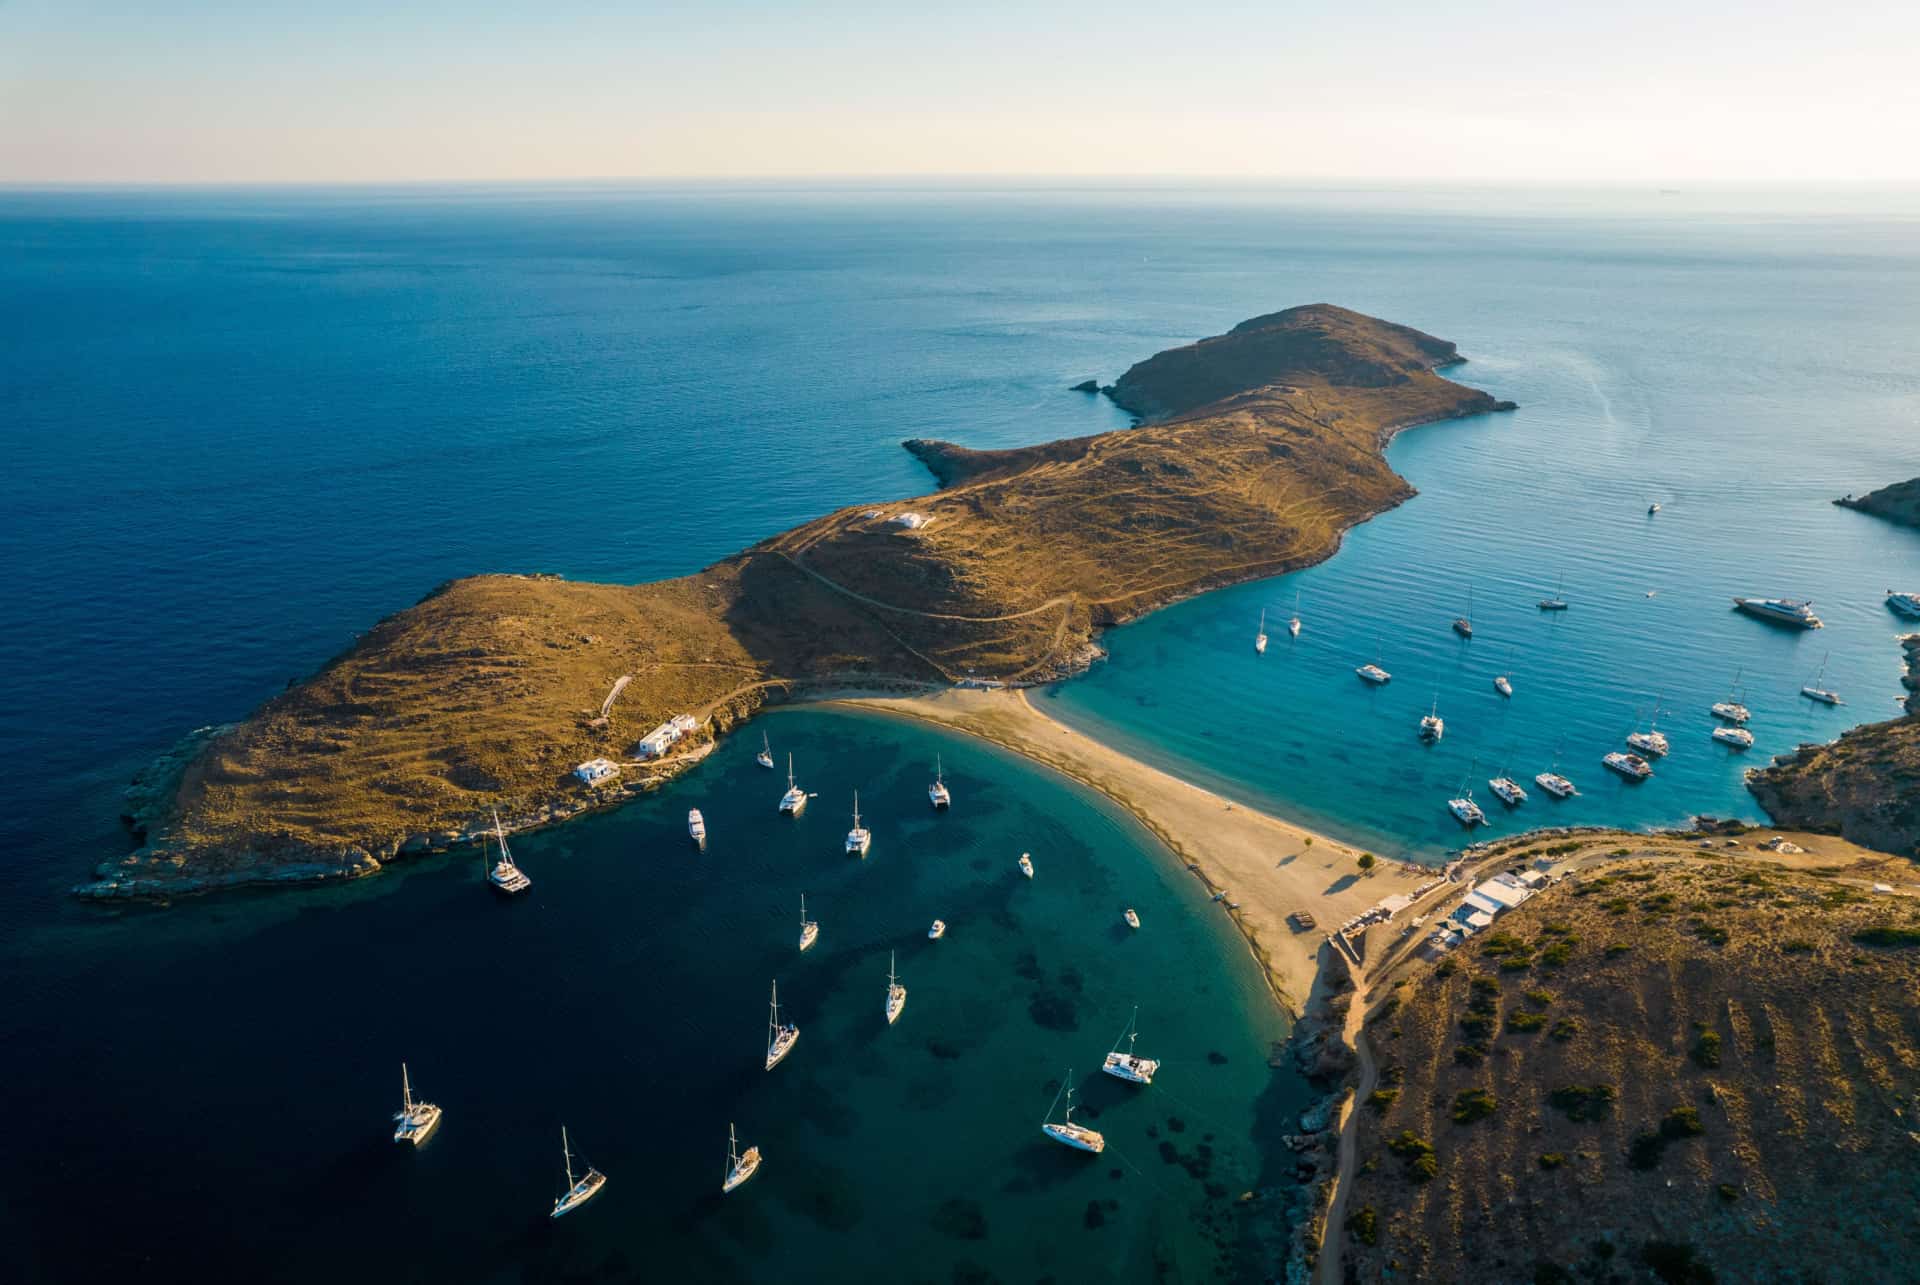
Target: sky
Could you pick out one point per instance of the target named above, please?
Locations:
(1508, 91)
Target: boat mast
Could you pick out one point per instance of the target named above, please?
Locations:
(789, 769)
(803, 911)
(733, 1150)
(773, 1017)
(566, 1157)
(856, 809)
(406, 1090)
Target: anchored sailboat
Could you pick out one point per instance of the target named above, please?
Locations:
(859, 839)
(1814, 691)
(1260, 638)
(896, 993)
(505, 876)
(1555, 603)
(1732, 709)
(579, 1190)
(740, 1165)
(1432, 726)
(780, 1039)
(794, 801)
(1293, 621)
(1463, 625)
(1128, 1066)
(765, 757)
(809, 930)
(937, 793)
(1074, 1135)
(415, 1121)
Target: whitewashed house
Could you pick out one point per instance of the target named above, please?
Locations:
(594, 771)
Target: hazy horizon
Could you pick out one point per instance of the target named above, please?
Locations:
(111, 92)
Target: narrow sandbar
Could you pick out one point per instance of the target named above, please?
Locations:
(1270, 867)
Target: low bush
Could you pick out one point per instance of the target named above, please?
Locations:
(1888, 935)
(1365, 1225)
(1564, 1029)
(1617, 949)
(1525, 1020)
(1706, 1049)
(1473, 1104)
(1381, 1099)
(1584, 1101)
(1539, 999)
(1552, 1160)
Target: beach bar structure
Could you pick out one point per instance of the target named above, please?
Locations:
(594, 771)
(1484, 903)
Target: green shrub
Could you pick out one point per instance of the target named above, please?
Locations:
(1539, 999)
(1797, 946)
(1708, 931)
(1473, 1104)
(1365, 1225)
(1469, 1054)
(1552, 1160)
(1729, 1192)
(1706, 1049)
(1478, 1025)
(1381, 1099)
(1682, 1122)
(1617, 949)
(1888, 935)
(1584, 1101)
(1446, 967)
(1422, 1161)
(1524, 1020)
(1564, 1029)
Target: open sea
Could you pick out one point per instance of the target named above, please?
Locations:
(243, 425)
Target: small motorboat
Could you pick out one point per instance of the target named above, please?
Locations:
(1631, 766)
(696, 826)
(938, 930)
(1026, 865)
(1132, 918)
(1503, 685)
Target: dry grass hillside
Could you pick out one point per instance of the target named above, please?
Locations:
(486, 693)
(1682, 1070)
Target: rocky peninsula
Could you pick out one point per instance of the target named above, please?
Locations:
(1257, 450)
(1898, 503)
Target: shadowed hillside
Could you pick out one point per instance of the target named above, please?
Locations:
(1899, 502)
(1684, 1070)
(489, 691)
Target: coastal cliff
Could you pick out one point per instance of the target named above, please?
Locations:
(1864, 786)
(1266, 448)
(1899, 502)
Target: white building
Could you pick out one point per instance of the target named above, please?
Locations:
(594, 771)
(664, 737)
(911, 521)
(682, 724)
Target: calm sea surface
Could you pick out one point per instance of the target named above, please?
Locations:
(241, 426)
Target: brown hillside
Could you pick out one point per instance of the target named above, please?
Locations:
(486, 693)
(1670, 1070)
(1899, 502)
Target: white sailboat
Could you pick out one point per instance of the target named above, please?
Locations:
(1553, 783)
(1129, 1066)
(1555, 603)
(505, 876)
(1814, 691)
(1293, 621)
(1433, 727)
(1074, 1135)
(1502, 683)
(415, 1121)
(1026, 864)
(1464, 809)
(765, 757)
(740, 1165)
(1732, 709)
(579, 1190)
(1652, 741)
(1372, 672)
(1260, 637)
(858, 838)
(780, 1039)
(937, 793)
(809, 930)
(896, 993)
(794, 801)
(1463, 625)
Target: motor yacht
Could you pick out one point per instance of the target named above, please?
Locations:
(696, 826)
(1738, 737)
(1786, 611)
(938, 930)
(1026, 865)
(1631, 766)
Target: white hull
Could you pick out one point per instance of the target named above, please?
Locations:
(1732, 712)
(1134, 1070)
(1502, 686)
(1133, 919)
(1373, 674)
(580, 1193)
(1293, 626)
(1821, 695)
(417, 1125)
(896, 1003)
(809, 935)
(1466, 812)
(1781, 611)
(858, 841)
(939, 797)
(509, 879)
(1738, 737)
(1558, 786)
(1076, 1136)
(1649, 743)
(793, 803)
(1630, 766)
(696, 826)
(1260, 645)
(748, 1166)
(1508, 791)
(764, 759)
(782, 1045)
(1026, 865)
(938, 930)
(1432, 729)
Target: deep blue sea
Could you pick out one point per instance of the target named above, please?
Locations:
(242, 425)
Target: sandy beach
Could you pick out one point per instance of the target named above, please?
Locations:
(1271, 867)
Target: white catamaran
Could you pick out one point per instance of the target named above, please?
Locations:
(579, 1190)
(1432, 726)
(809, 930)
(740, 1165)
(505, 876)
(1074, 1135)
(859, 839)
(896, 993)
(780, 1039)
(1129, 1066)
(1260, 638)
(937, 793)
(794, 801)
(415, 1121)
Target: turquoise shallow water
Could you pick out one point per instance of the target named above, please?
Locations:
(243, 425)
